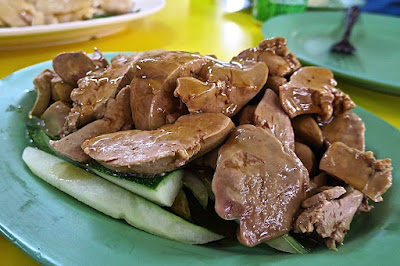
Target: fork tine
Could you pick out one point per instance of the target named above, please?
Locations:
(344, 45)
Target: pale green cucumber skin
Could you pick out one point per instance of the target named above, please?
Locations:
(113, 200)
(163, 195)
(287, 243)
(197, 187)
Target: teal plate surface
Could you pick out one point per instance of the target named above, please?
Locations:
(54, 228)
(375, 65)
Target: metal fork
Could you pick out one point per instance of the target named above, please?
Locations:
(344, 46)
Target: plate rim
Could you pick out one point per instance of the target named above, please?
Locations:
(371, 83)
(153, 7)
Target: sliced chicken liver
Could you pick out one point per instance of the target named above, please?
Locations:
(72, 66)
(116, 117)
(347, 128)
(222, 87)
(269, 114)
(97, 87)
(311, 90)
(42, 84)
(358, 169)
(163, 149)
(94, 91)
(307, 131)
(328, 215)
(307, 157)
(259, 182)
(274, 82)
(275, 54)
(155, 79)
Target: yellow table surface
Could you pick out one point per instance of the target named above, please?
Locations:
(198, 26)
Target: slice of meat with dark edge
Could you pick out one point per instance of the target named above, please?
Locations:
(155, 79)
(275, 54)
(307, 131)
(311, 90)
(347, 128)
(221, 87)
(246, 115)
(161, 150)
(60, 91)
(259, 182)
(42, 84)
(358, 169)
(269, 114)
(274, 82)
(329, 215)
(95, 89)
(116, 117)
(73, 66)
(307, 157)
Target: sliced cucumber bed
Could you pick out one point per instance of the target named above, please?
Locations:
(159, 189)
(113, 200)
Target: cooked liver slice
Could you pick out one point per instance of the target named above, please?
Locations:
(275, 54)
(116, 117)
(316, 183)
(70, 146)
(311, 90)
(307, 157)
(73, 66)
(60, 91)
(155, 79)
(95, 89)
(259, 182)
(307, 131)
(42, 84)
(329, 218)
(246, 115)
(54, 117)
(117, 111)
(274, 82)
(328, 193)
(222, 87)
(208, 160)
(163, 149)
(358, 169)
(269, 114)
(347, 128)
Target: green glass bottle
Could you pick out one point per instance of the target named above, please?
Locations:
(264, 9)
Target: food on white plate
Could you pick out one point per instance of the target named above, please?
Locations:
(233, 147)
(19, 13)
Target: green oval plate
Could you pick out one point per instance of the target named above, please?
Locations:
(54, 228)
(375, 65)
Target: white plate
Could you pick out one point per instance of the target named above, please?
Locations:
(70, 32)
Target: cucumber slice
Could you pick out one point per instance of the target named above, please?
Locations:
(287, 243)
(161, 189)
(113, 200)
(196, 186)
(39, 136)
